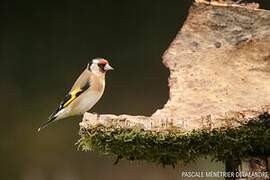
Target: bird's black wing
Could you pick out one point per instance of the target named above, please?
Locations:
(71, 96)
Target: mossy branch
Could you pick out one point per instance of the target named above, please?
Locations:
(219, 94)
(167, 147)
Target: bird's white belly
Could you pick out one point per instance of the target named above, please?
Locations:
(85, 102)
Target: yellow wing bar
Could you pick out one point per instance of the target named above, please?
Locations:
(72, 96)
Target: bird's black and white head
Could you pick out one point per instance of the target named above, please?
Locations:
(99, 65)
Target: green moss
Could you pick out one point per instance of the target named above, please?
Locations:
(166, 148)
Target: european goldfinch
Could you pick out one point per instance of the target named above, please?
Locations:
(85, 92)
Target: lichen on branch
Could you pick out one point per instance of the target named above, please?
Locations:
(168, 147)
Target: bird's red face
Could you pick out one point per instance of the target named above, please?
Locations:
(104, 65)
(103, 61)
(100, 65)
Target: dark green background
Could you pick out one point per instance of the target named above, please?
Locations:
(45, 45)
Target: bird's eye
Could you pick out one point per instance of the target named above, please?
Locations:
(101, 66)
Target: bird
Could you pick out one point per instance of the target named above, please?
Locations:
(85, 92)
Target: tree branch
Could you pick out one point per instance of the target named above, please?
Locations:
(219, 77)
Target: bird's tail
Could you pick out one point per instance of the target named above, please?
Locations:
(51, 119)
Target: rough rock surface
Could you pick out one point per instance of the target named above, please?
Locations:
(219, 72)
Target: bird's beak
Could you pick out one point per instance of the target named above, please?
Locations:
(108, 67)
